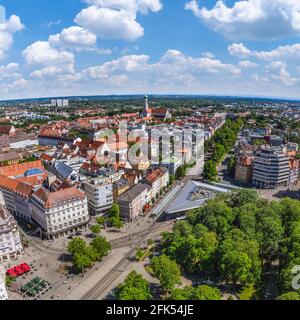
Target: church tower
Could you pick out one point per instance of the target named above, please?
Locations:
(147, 110)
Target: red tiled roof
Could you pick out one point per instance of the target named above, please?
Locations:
(5, 129)
(16, 186)
(46, 157)
(154, 175)
(57, 198)
(19, 169)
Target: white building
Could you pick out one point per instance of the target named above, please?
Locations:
(3, 292)
(271, 168)
(99, 195)
(22, 140)
(157, 179)
(16, 196)
(59, 213)
(10, 242)
(59, 103)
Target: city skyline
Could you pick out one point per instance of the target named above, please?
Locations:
(103, 47)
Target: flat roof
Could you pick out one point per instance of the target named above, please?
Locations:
(184, 203)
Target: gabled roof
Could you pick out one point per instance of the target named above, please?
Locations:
(46, 157)
(21, 168)
(155, 174)
(13, 155)
(15, 186)
(133, 193)
(50, 200)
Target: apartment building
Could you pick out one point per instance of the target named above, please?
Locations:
(59, 213)
(133, 201)
(99, 195)
(271, 168)
(243, 168)
(157, 179)
(16, 196)
(10, 242)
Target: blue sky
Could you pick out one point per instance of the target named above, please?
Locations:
(74, 47)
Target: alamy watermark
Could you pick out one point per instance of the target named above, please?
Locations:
(169, 146)
(296, 279)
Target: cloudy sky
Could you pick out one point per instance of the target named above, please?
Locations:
(94, 47)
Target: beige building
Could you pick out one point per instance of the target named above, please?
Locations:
(243, 169)
(157, 179)
(133, 201)
(59, 213)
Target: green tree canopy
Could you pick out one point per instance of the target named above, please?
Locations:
(167, 271)
(135, 287)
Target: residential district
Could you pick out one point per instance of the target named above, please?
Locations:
(136, 199)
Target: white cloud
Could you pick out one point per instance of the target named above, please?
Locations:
(116, 19)
(9, 71)
(119, 66)
(282, 52)
(143, 6)
(110, 24)
(278, 71)
(173, 66)
(7, 29)
(246, 64)
(251, 19)
(47, 72)
(74, 37)
(41, 52)
(53, 61)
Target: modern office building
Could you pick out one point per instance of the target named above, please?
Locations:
(271, 168)
(99, 195)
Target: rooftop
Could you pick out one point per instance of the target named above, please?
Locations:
(193, 196)
(15, 186)
(22, 168)
(133, 193)
(50, 200)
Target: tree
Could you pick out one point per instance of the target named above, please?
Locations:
(239, 258)
(82, 261)
(101, 221)
(101, 246)
(114, 216)
(292, 295)
(218, 152)
(206, 293)
(83, 255)
(114, 211)
(77, 245)
(180, 173)
(167, 271)
(231, 166)
(203, 292)
(96, 229)
(116, 222)
(246, 219)
(181, 294)
(172, 179)
(210, 171)
(242, 197)
(135, 287)
(217, 216)
(269, 230)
